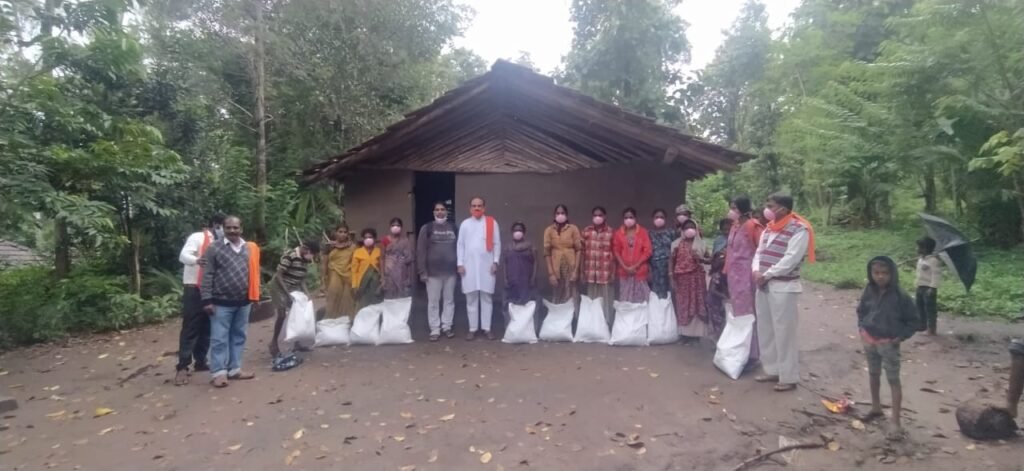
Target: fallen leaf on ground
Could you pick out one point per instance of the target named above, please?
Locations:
(447, 417)
(932, 390)
(460, 381)
(106, 430)
(291, 457)
(433, 456)
(101, 411)
(104, 355)
(485, 458)
(971, 447)
(54, 415)
(641, 451)
(325, 426)
(399, 438)
(80, 442)
(856, 424)
(948, 451)
(833, 446)
(298, 434)
(410, 467)
(406, 415)
(654, 375)
(235, 447)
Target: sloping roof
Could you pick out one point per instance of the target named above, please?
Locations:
(512, 119)
(16, 255)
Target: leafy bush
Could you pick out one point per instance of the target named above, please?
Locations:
(33, 308)
(843, 257)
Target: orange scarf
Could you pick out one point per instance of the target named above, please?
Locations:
(254, 271)
(489, 233)
(779, 224)
(202, 251)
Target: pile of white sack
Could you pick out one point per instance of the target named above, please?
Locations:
(650, 323)
(378, 324)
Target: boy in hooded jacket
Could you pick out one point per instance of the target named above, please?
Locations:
(886, 316)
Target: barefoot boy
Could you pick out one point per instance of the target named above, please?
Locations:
(886, 317)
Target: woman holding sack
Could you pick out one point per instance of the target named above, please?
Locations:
(632, 248)
(688, 282)
(739, 255)
(562, 245)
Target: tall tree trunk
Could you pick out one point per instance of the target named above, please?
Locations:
(1018, 187)
(62, 248)
(929, 189)
(954, 185)
(259, 81)
(132, 255)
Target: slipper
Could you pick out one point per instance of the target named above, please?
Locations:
(471, 336)
(181, 378)
(219, 382)
(491, 336)
(766, 378)
(434, 337)
(286, 362)
(449, 334)
(783, 387)
(242, 375)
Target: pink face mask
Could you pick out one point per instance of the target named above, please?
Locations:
(561, 218)
(769, 214)
(682, 218)
(395, 230)
(517, 235)
(659, 222)
(734, 215)
(690, 233)
(598, 220)
(368, 241)
(629, 222)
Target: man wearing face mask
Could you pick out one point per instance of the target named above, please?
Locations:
(436, 261)
(478, 253)
(194, 340)
(786, 241)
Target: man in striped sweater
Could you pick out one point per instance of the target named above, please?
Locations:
(785, 242)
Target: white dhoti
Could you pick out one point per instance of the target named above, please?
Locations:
(777, 334)
(479, 308)
(478, 281)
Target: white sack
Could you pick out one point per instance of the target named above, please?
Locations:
(557, 326)
(520, 328)
(333, 332)
(591, 325)
(630, 326)
(733, 348)
(366, 326)
(300, 325)
(394, 327)
(662, 327)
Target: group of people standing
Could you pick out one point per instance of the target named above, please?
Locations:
(755, 268)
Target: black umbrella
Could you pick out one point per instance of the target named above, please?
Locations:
(955, 244)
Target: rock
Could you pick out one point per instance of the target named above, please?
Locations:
(982, 421)
(7, 404)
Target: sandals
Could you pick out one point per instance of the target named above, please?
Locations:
(219, 381)
(450, 334)
(242, 375)
(783, 387)
(285, 362)
(766, 378)
(434, 337)
(181, 378)
(471, 336)
(490, 336)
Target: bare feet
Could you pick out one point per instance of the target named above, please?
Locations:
(896, 433)
(219, 381)
(873, 414)
(471, 336)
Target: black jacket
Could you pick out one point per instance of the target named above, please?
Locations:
(890, 313)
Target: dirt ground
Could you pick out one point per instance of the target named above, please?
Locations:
(489, 406)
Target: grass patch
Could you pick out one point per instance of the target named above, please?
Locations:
(843, 257)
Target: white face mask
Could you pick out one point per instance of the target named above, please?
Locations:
(395, 230)
(598, 220)
(440, 218)
(682, 218)
(368, 241)
(517, 235)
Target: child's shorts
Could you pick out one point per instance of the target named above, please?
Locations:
(884, 356)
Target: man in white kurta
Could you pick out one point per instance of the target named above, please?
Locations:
(478, 266)
(776, 265)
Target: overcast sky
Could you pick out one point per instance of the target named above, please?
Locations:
(502, 28)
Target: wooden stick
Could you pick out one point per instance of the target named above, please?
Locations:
(763, 456)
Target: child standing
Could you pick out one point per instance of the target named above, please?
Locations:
(519, 260)
(886, 317)
(929, 275)
(689, 283)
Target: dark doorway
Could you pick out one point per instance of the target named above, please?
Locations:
(429, 188)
